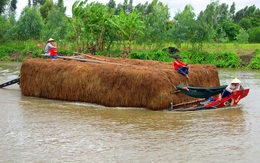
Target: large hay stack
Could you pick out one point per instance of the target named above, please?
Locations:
(112, 82)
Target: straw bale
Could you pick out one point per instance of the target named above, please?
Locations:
(133, 83)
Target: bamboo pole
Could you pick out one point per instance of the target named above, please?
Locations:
(188, 103)
(89, 56)
(89, 60)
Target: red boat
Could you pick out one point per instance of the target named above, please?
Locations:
(229, 101)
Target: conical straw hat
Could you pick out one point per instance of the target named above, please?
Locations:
(236, 80)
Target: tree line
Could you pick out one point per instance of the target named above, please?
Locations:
(99, 27)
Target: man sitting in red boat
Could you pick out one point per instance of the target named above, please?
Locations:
(232, 88)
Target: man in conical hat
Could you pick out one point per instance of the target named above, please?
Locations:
(48, 47)
(232, 87)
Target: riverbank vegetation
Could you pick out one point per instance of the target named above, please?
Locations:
(218, 35)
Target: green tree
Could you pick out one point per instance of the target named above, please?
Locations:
(206, 24)
(37, 2)
(156, 22)
(3, 27)
(30, 24)
(231, 30)
(210, 15)
(254, 35)
(29, 3)
(142, 8)
(94, 17)
(11, 30)
(56, 29)
(243, 36)
(232, 10)
(129, 6)
(128, 25)
(201, 34)
(92, 27)
(183, 30)
(46, 8)
(223, 13)
(250, 13)
(77, 24)
(214, 16)
(111, 4)
(60, 6)
(245, 23)
(13, 6)
(3, 3)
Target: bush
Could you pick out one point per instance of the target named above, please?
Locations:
(111, 53)
(255, 61)
(4, 51)
(225, 59)
(139, 55)
(66, 52)
(228, 59)
(158, 55)
(161, 56)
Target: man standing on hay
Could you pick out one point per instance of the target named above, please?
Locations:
(181, 67)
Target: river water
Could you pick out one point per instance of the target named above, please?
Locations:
(42, 130)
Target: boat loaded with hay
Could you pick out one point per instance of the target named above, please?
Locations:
(113, 82)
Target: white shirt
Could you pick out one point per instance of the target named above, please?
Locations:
(231, 87)
(48, 47)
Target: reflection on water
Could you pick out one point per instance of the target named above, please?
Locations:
(42, 130)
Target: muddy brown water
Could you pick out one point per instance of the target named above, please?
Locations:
(42, 130)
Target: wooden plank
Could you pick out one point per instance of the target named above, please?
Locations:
(173, 107)
(194, 108)
(90, 56)
(89, 60)
(44, 55)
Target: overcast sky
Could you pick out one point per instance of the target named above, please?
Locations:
(174, 5)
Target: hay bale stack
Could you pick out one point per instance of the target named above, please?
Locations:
(117, 83)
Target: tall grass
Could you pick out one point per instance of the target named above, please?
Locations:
(240, 49)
